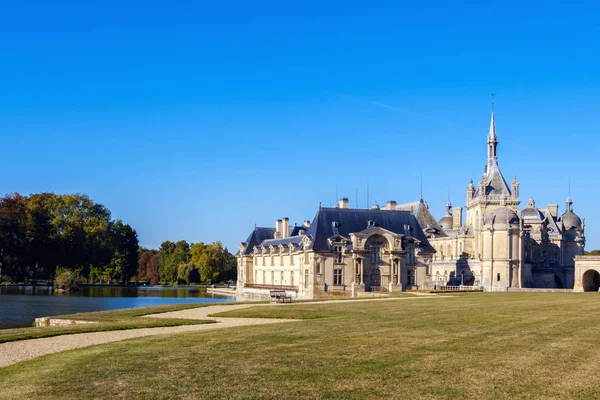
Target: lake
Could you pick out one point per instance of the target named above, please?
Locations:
(21, 305)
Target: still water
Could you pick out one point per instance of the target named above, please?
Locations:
(20, 305)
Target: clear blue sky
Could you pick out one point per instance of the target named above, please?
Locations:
(196, 120)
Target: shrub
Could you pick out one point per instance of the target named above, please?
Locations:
(67, 280)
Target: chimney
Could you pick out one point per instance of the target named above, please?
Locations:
(285, 229)
(278, 225)
(553, 210)
(344, 203)
(391, 205)
(307, 224)
(456, 217)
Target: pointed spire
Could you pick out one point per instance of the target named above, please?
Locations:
(492, 133)
(492, 142)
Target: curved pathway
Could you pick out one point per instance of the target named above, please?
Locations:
(14, 352)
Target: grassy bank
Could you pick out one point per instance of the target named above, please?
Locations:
(489, 345)
(105, 321)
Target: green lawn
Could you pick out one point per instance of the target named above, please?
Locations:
(105, 321)
(478, 346)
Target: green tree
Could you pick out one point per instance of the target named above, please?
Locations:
(13, 241)
(188, 273)
(214, 262)
(124, 261)
(171, 255)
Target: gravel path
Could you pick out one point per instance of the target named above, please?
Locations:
(14, 352)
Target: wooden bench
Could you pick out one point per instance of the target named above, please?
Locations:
(280, 296)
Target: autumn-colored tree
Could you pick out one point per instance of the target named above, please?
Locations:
(148, 268)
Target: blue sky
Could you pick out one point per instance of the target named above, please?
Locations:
(196, 120)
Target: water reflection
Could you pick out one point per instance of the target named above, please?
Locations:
(20, 305)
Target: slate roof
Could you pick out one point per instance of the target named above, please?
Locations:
(420, 210)
(350, 220)
(495, 184)
(258, 235)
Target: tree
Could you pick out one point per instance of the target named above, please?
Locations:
(125, 256)
(214, 262)
(188, 273)
(171, 255)
(13, 242)
(148, 268)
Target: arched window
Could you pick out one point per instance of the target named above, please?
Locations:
(498, 277)
(376, 245)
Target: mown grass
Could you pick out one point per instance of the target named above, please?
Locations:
(105, 321)
(484, 346)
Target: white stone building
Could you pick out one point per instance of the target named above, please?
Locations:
(347, 251)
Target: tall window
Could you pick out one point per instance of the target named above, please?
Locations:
(306, 279)
(411, 259)
(375, 255)
(318, 267)
(292, 278)
(305, 257)
(376, 245)
(410, 277)
(281, 277)
(272, 277)
(264, 278)
(338, 276)
(339, 254)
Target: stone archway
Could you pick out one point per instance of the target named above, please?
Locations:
(591, 281)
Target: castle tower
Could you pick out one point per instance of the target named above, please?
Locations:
(492, 192)
(573, 234)
(501, 249)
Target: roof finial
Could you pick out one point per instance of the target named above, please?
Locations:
(492, 102)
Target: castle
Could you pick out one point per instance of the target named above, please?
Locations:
(347, 251)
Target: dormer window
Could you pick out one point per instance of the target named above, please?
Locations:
(339, 253)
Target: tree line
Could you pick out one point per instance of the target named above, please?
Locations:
(44, 234)
(184, 263)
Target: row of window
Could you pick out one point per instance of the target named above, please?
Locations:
(281, 260)
(281, 278)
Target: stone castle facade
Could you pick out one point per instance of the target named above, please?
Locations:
(346, 251)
